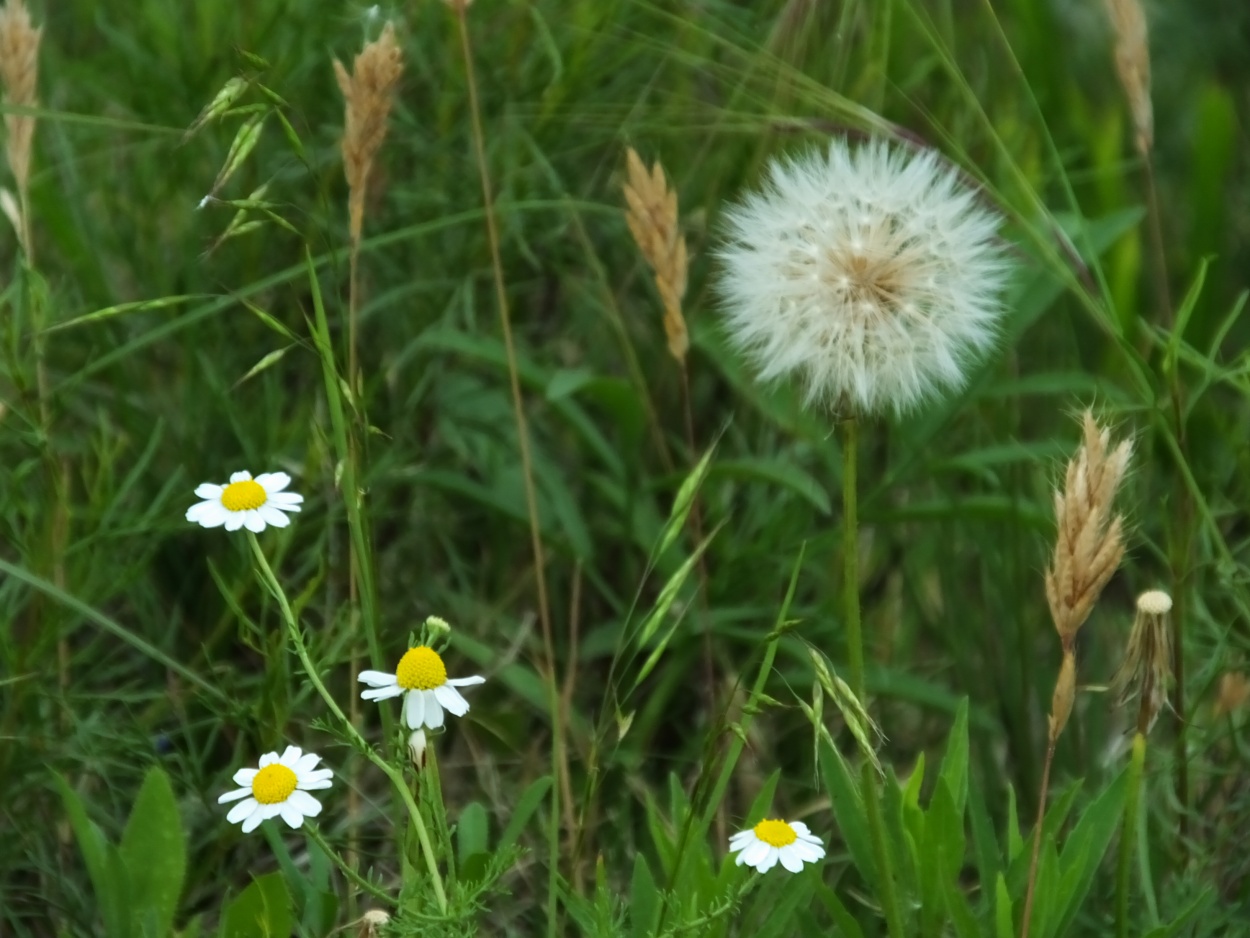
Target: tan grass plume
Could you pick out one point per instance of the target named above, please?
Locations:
(651, 214)
(368, 91)
(1132, 64)
(19, 72)
(1147, 665)
(1089, 544)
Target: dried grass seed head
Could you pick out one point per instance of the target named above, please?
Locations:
(1132, 65)
(651, 214)
(368, 92)
(1089, 541)
(872, 274)
(19, 73)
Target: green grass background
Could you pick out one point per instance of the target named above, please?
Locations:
(955, 507)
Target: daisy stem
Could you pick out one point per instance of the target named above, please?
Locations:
(316, 837)
(397, 778)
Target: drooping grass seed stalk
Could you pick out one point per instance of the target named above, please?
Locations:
(396, 777)
(559, 760)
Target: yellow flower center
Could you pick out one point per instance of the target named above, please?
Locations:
(240, 496)
(421, 669)
(776, 833)
(273, 784)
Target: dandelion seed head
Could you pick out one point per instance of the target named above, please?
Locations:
(870, 274)
(1154, 603)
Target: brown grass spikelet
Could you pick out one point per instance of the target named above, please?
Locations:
(368, 92)
(651, 214)
(1233, 693)
(1147, 665)
(1064, 696)
(1132, 64)
(1089, 542)
(19, 72)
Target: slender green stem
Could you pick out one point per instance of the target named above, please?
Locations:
(1132, 799)
(396, 777)
(316, 837)
(559, 760)
(850, 557)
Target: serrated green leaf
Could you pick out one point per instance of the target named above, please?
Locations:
(154, 850)
(848, 810)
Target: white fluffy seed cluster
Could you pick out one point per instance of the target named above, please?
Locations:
(871, 274)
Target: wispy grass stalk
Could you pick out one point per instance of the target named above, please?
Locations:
(559, 760)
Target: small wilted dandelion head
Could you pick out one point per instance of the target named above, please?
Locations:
(871, 274)
(1147, 665)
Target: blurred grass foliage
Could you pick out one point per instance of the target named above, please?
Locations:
(163, 620)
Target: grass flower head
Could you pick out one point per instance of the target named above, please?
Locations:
(422, 677)
(246, 502)
(770, 842)
(279, 788)
(871, 274)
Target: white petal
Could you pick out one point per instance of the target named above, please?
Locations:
(740, 839)
(287, 501)
(273, 481)
(770, 860)
(466, 681)
(253, 521)
(808, 838)
(450, 698)
(790, 859)
(376, 678)
(244, 776)
(253, 821)
(754, 854)
(273, 516)
(234, 520)
(240, 476)
(809, 852)
(268, 759)
(234, 795)
(208, 514)
(433, 711)
(383, 693)
(208, 490)
(798, 827)
(242, 810)
(315, 780)
(291, 814)
(306, 763)
(290, 756)
(414, 710)
(305, 803)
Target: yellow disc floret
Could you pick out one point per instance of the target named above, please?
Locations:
(273, 784)
(776, 833)
(240, 496)
(421, 669)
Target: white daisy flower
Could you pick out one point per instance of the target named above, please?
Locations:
(279, 788)
(871, 274)
(246, 502)
(421, 675)
(769, 841)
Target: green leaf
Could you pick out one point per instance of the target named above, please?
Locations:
(954, 771)
(848, 810)
(104, 867)
(262, 910)
(154, 850)
(1003, 924)
(643, 899)
(778, 472)
(1085, 848)
(847, 926)
(471, 830)
(524, 809)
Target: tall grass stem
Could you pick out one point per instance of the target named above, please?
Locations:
(1128, 830)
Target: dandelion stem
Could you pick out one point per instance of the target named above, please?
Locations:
(316, 837)
(850, 557)
(397, 779)
(1131, 801)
